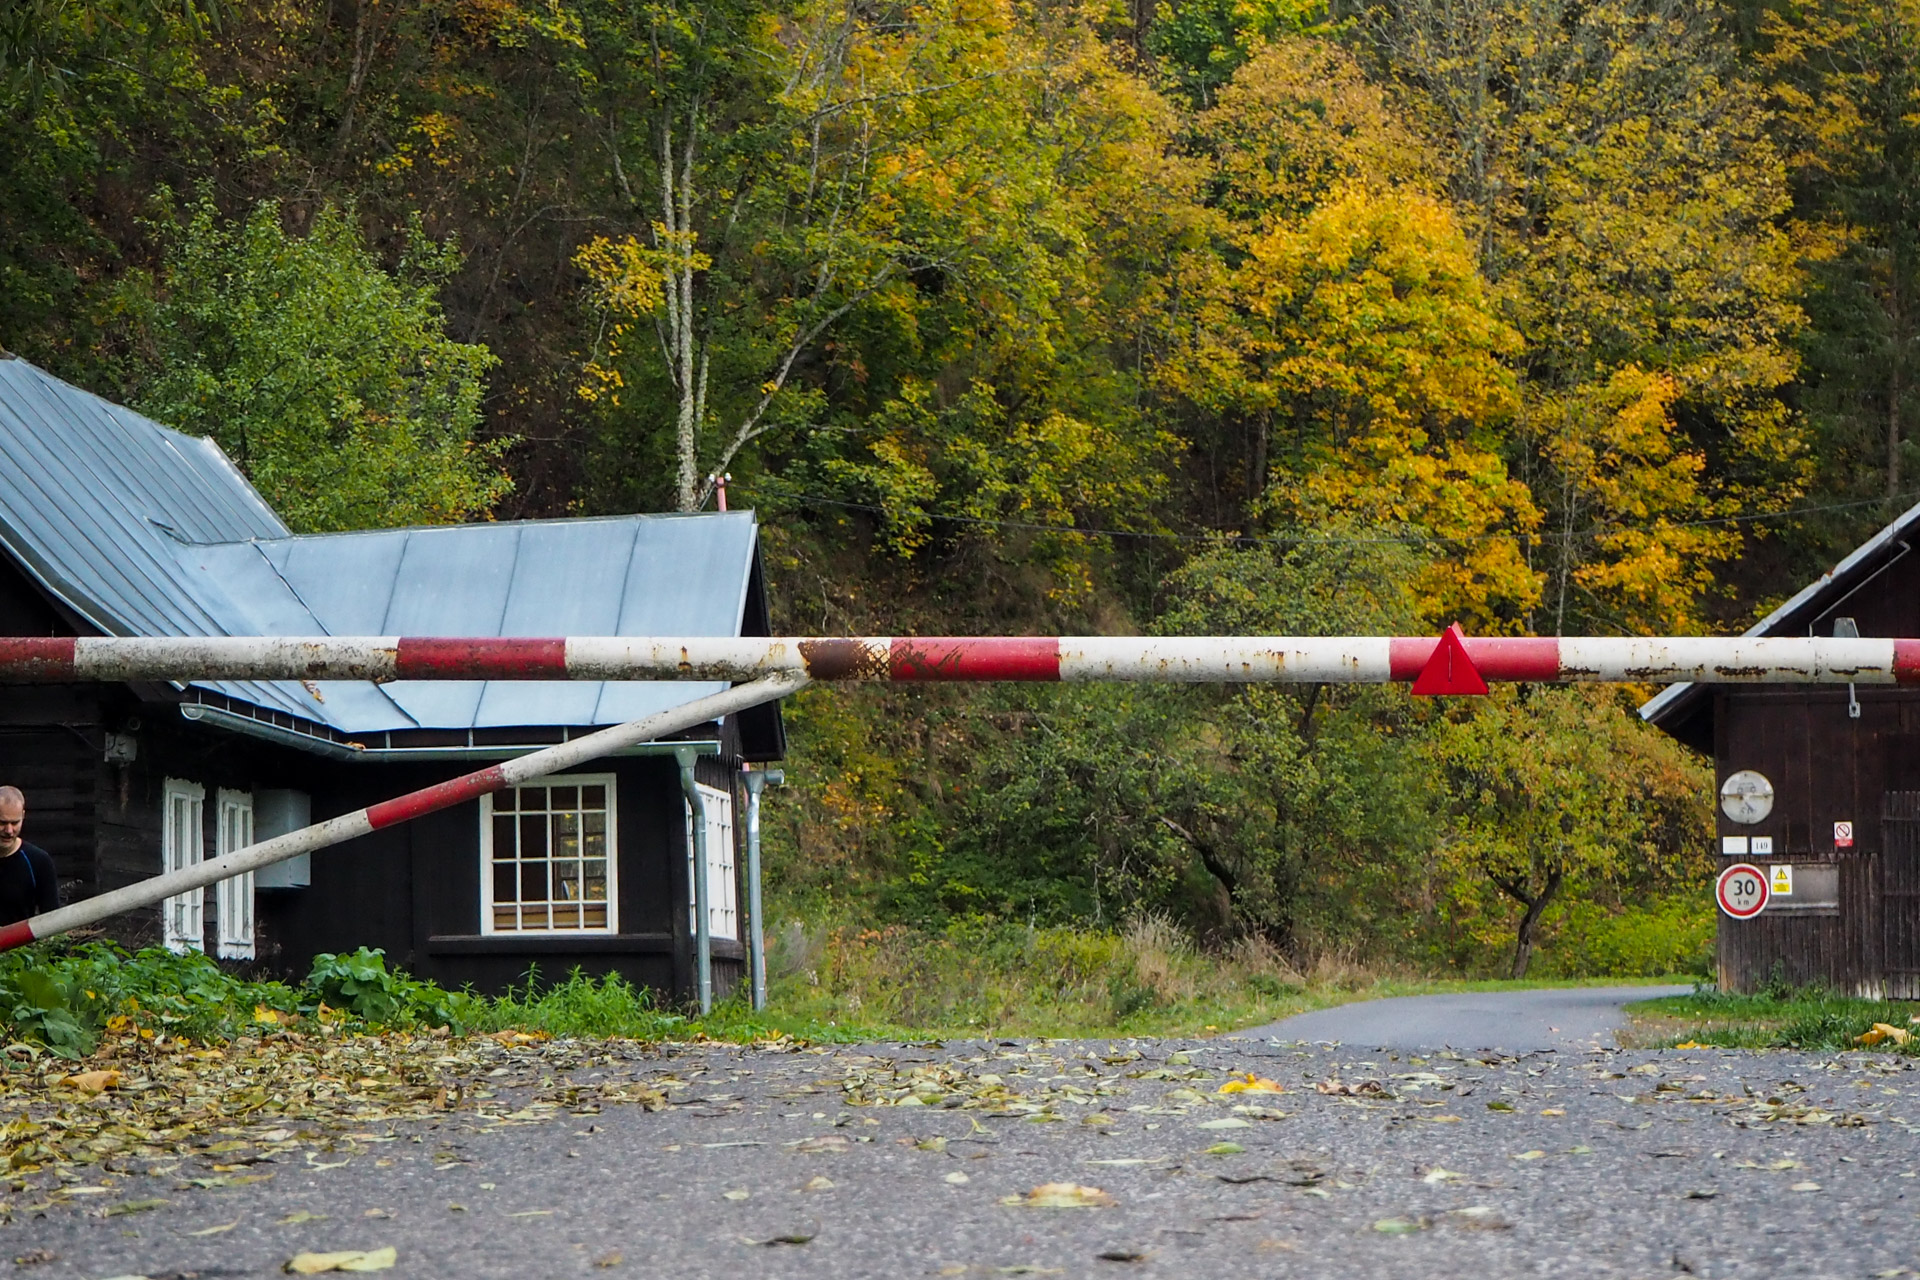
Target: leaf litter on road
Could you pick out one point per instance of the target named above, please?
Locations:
(313, 1264)
(1061, 1195)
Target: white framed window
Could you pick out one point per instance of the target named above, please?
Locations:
(549, 857)
(183, 845)
(233, 897)
(723, 908)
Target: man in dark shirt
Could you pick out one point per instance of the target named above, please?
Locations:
(27, 884)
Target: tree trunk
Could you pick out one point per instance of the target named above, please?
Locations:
(1536, 906)
(1893, 430)
(1896, 391)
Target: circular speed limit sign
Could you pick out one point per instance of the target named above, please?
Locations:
(1742, 891)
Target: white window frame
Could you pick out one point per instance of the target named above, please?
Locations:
(183, 843)
(723, 897)
(487, 903)
(233, 897)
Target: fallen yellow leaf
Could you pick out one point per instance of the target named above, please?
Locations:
(270, 1017)
(92, 1081)
(1252, 1083)
(1062, 1195)
(1883, 1031)
(312, 1264)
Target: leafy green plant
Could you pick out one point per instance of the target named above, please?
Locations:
(579, 1006)
(40, 1008)
(360, 983)
(64, 995)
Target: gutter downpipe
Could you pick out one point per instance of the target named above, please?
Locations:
(702, 926)
(756, 780)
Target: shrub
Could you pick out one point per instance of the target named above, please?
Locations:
(360, 984)
(1666, 935)
(63, 995)
(579, 1006)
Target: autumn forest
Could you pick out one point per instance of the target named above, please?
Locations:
(1545, 316)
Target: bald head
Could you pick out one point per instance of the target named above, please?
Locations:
(13, 815)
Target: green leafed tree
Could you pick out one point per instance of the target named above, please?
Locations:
(330, 380)
(1549, 791)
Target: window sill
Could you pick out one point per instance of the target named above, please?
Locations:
(538, 944)
(474, 944)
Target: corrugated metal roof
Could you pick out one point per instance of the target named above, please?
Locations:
(144, 531)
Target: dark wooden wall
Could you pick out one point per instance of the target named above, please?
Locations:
(1826, 767)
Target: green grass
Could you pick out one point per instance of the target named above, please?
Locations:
(67, 996)
(842, 985)
(1009, 980)
(1804, 1019)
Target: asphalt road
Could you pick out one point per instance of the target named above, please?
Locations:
(1565, 1018)
(813, 1163)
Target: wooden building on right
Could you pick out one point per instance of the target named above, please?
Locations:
(1819, 788)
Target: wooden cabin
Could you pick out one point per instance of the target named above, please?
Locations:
(111, 524)
(1841, 830)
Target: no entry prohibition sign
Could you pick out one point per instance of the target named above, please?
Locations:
(1742, 891)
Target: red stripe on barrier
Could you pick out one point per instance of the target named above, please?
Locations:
(481, 658)
(1495, 657)
(975, 658)
(1407, 656)
(1906, 661)
(1516, 657)
(36, 657)
(442, 795)
(14, 935)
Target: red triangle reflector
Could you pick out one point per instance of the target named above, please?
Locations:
(1449, 670)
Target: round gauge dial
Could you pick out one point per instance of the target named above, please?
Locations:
(1746, 797)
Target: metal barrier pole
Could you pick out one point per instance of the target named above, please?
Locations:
(1237, 659)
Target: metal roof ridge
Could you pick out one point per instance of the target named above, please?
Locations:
(747, 512)
(1672, 693)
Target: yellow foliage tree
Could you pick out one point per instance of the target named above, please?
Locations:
(1619, 179)
(1362, 332)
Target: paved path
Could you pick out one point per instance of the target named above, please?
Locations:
(900, 1161)
(1564, 1018)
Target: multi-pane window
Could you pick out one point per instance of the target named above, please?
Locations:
(723, 911)
(548, 856)
(182, 845)
(233, 897)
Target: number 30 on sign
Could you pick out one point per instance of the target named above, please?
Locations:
(1742, 891)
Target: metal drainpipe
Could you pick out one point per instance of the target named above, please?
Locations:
(756, 780)
(702, 930)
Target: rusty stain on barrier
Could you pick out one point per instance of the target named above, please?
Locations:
(835, 659)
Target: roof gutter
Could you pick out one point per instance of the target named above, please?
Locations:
(314, 744)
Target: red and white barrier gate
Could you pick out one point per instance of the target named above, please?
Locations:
(1287, 659)
(1449, 664)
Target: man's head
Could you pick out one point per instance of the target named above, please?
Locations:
(13, 814)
